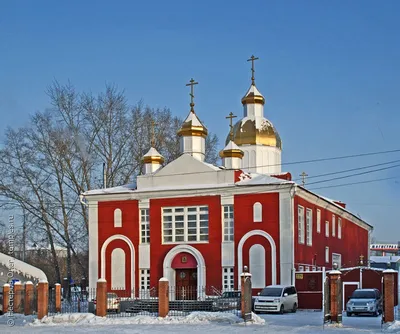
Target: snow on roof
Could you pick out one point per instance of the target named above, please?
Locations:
(253, 90)
(231, 146)
(195, 120)
(126, 188)
(152, 153)
(262, 179)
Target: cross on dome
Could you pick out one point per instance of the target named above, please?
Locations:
(252, 59)
(191, 84)
(231, 117)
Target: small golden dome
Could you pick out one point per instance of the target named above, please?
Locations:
(192, 126)
(231, 151)
(153, 157)
(259, 131)
(253, 96)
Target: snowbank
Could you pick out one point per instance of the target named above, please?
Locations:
(73, 319)
(394, 327)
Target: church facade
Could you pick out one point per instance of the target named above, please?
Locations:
(198, 224)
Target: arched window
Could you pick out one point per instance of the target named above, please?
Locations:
(257, 266)
(257, 212)
(117, 218)
(118, 269)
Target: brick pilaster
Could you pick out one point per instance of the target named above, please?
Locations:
(42, 299)
(18, 307)
(6, 297)
(163, 297)
(58, 297)
(334, 279)
(29, 296)
(388, 295)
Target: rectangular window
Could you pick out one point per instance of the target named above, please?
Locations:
(185, 224)
(327, 228)
(228, 223)
(318, 221)
(337, 258)
(145, 279)
(339, 228)
(327, 254)
(309, 227)
(333, 225)
(227, 278)
(145, 226)
(301, 224)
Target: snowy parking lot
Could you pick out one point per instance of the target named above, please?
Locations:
(197, 322)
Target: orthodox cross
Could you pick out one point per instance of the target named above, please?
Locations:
(191, 84)
(153, 139)
(303, 178)
(252, 59)
(231, 117)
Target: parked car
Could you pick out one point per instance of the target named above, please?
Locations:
(276, 298)
(229, 300)
(364, 301)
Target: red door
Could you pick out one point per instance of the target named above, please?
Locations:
(186, 284)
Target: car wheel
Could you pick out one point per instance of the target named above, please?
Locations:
(294, 309)
(349, 314)
(282, 309)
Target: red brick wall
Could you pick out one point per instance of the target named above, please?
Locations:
(354, 241)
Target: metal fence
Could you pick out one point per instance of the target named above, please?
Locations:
(123, 303)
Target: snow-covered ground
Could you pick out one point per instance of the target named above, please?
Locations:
(197, 322)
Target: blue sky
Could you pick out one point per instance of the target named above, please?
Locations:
(329, 70)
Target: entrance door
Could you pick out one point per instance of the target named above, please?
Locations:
(186, 284)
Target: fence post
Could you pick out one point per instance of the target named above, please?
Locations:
(335, 290)
(18, 297)
(28, 298)
(101, 297)
(42, 299)
(163, 297)
(246, 302)
(388, 282)
(6, 297)
(58, 297)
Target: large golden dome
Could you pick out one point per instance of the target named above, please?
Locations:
(255, 131)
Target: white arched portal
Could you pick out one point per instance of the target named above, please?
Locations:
(257, 266)
(103, 257)
(273, 253)
(118, 281)
(169, 272)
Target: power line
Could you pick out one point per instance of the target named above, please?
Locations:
(354, 183)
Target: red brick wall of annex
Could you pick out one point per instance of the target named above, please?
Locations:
(354, 241)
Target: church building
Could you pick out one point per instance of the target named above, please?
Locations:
(199, 224)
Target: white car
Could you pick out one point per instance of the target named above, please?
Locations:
(276, 298)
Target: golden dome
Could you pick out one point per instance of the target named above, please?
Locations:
(231, 151)
(258, 131)
(192, 126)
(253, 96)
(153, 157)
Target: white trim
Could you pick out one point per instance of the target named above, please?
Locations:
(169, 272)
(227, 200)
(93, 244)
(343, 292)
(309, 226)
(273, 253)
(318, 220)
(103, 257)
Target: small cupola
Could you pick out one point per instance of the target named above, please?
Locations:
(231, 155)
(152, 160)
(192, 132)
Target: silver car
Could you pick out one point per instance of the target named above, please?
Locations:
(364, 301)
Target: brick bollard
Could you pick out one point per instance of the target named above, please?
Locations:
(42, 299)
(101, 297)
(18, 307)
(58, 297)
(388, 295)
(28, 302)
(163, 297)
(335, 281)
(245, 292)
(6, 297)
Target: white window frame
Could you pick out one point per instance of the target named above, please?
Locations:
(318, 221)
(228, 223)
(257, 212)
(144, 279)
(300, 223)
(228, 279)
(327, 228)
(201, 227)
(333, 226)
(117, 218)
(339, 228)
(144, 226)
(327, 254)
(309, 226)
(340, 262)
